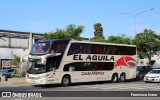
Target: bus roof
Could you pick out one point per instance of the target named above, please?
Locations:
(74, 41)
(51, 40)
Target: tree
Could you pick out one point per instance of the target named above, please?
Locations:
(15, 61)
(119, 39)
(71, 32)
(98, 33)
(148, 44)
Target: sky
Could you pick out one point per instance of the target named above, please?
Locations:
(42, 16)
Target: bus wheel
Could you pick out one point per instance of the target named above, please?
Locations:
(114, 78)
(65, 80)
(122, 77)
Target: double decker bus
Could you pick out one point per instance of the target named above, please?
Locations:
(69, 61)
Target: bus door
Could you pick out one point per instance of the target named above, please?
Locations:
(53, 64)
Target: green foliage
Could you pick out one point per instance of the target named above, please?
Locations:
(15, 61)
(119, 40)
(98, 40)
(98, 31)
(71, 32)
(23, 73)
(114, 39)
(19, 73)
(148, 44)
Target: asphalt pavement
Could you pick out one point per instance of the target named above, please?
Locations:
(20, 84)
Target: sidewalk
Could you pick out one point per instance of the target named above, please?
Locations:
(13, 82)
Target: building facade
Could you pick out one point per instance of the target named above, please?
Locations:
(15, 43)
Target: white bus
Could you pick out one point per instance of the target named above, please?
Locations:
(70, 61)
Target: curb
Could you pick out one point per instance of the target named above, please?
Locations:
(13, 82)
(19, 83)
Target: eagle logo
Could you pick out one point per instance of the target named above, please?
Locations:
(126, 61)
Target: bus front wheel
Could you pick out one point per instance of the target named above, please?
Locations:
(114, 78)
(65, 80)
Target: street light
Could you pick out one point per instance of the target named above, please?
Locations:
(135, 16)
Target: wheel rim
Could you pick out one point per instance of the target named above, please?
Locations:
(115, 79)
(66, 81)
(122, 78)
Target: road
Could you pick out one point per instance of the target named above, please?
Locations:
(92, 91)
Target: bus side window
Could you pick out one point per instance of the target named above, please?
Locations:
(50, 66)
(108, 50)
(108, 65)
(120, 50)
(97, 66)
(74, 49)
(85, 48)
(97, 49)
(133, 50)
(89, 49)
(113, 50)
(60, 48)
(86, 66)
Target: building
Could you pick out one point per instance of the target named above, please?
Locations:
(15, 43)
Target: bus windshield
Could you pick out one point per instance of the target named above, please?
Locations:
(37, 69)
(40, 48)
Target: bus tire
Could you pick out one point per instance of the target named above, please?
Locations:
(114, 78)
(122, 77)
(65, 81)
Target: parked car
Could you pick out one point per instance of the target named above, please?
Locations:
(142, 71)
(152, 76)
(7, 72)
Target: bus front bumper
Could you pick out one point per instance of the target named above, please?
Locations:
(37, 81)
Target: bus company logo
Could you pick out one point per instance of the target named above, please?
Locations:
(125, 61)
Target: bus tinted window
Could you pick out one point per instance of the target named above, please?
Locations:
(86, 48)
(103, 66)
(74, 49)
(77, 48)
(90, 66)
(59, 47)
(112, 50)
(99, 49)
(82, 48)
(77, 66)
(121, 50)
(130, 50)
